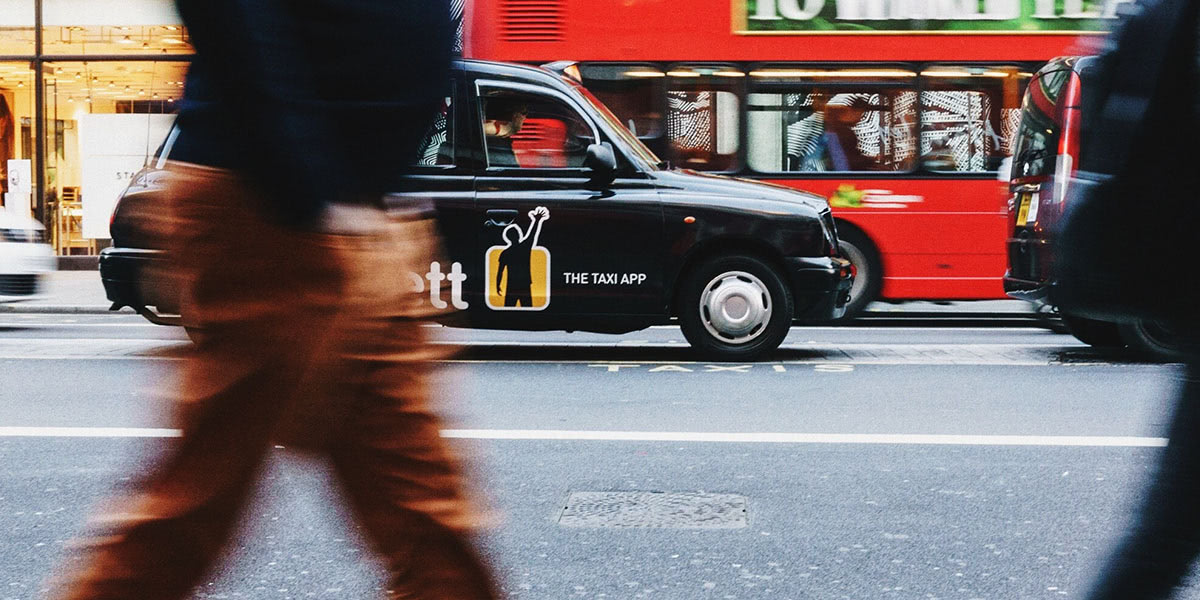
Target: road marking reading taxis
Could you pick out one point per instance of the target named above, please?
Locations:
(702, 368)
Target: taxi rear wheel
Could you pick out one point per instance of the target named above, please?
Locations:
(735, 308)
(1160, 341)
(1095, 333)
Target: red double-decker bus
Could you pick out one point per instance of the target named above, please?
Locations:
(900, 112)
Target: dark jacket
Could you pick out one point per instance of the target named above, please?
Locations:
(314, 100)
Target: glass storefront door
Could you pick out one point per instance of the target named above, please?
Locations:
(16, 137)
(103, 120)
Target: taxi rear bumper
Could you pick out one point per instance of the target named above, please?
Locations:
(820, 286)
(137, 278)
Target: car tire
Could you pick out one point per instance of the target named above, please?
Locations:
(1158, 341)
(1101, 334)
(734, 308)
(866, 266)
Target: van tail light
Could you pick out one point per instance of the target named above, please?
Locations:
(1070, 120)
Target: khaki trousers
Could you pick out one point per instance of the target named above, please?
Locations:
(308, 340)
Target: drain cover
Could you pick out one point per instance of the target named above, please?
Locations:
(674, 510)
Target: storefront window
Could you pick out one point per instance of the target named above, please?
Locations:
(16, 137)
(112, 27)
(103, 119)
(16, 27)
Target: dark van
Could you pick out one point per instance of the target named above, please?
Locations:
(555, 217)
(1045, 158)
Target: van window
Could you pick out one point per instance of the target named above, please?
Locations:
(1037, 139)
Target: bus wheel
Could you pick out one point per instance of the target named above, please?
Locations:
(1101, 334)
(734, 308)
(1159, 341)
(867, 268)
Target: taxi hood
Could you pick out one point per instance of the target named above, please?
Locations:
(706, 184)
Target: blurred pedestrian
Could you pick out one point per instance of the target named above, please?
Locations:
(296, 118)
(1144, 98)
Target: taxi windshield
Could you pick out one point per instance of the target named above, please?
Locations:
(614, 123)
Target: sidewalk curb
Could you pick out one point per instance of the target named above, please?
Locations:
(82, 309)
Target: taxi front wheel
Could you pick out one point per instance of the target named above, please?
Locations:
(734, 308)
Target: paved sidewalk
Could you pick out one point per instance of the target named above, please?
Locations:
(66, 292)
(82, 292)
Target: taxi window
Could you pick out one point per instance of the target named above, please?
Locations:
(533, 131)
(437, 149)
(634, 93)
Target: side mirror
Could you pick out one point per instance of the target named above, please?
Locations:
(601, 160)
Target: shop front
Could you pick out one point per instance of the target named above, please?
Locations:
(87, 92)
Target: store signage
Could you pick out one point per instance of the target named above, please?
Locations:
(922, 16)
(112, 148)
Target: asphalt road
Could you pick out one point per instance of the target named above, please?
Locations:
(865, 462)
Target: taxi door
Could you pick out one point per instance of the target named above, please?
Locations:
(443, 180)
(552, 242)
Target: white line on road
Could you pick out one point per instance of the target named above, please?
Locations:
(95, 432)
(673, 436)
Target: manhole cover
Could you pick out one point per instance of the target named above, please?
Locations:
(677, 510)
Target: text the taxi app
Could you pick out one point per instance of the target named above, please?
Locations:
(517, 272)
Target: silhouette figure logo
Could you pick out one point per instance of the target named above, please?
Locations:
(518, 272)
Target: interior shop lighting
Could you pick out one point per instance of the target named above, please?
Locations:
(644, 74)
(683, 74)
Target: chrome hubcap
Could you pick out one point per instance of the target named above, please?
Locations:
(735, 307)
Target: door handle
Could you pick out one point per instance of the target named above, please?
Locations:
(500, 217)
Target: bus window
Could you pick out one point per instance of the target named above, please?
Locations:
(703, 117)
(632, 92)
(969, 116)
(832, 120)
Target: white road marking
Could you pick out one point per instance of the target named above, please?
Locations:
(91, 432)
(808, 438)
(76, 325)
(673, 436)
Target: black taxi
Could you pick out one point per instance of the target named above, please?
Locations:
(555, 217)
